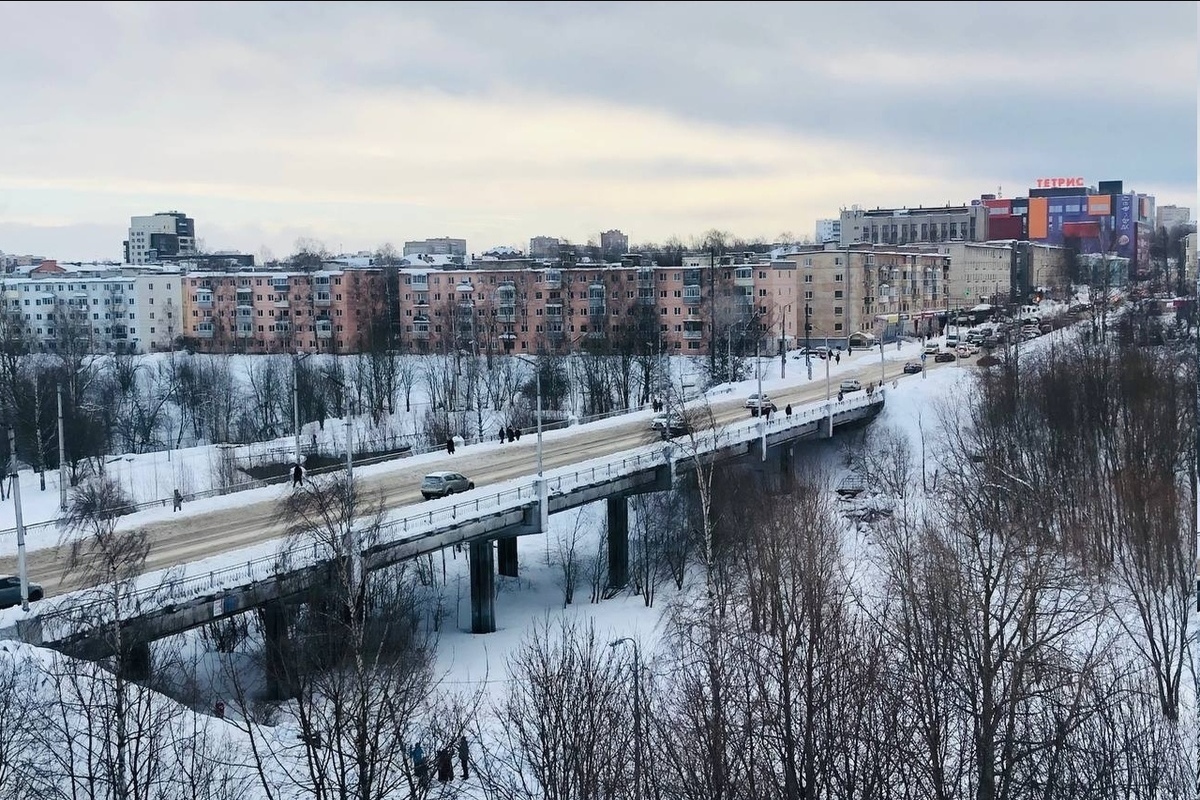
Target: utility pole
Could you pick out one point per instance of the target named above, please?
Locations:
(16, 493)
(62, 457)
(807, 348)
(712, 310)
(296, 404)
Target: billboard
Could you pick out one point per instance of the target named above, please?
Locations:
(1099, 205)
(1125, 233)
(1038, 210)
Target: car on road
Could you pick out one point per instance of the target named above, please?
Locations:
(444, 483)
(671, 422)
(850, 385)
(10, 591)
(943, 356)
(931, 349)
(758, 403)
(962, 351)
(913, 368)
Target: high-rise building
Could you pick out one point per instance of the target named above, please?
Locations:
(828, 230)
(442, 246)
(1172, 216)
(613, 243)
(543, 248)
(168, 233)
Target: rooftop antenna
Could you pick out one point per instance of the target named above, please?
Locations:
(999, 192)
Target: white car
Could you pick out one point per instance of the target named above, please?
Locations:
(850, 385)
(758, 403)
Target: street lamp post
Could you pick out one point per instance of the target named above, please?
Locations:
(807, 349)
(783, 341)
(544, 510)
(16, 494)
(637, 716)
(296, 359)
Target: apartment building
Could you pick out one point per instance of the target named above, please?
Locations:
(896, 226)
(868, 290)
(107, 309)
(440, 246)
(168, 233)
(1001, 271)
(328, 311)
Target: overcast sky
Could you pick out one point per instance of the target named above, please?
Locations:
(360, 124)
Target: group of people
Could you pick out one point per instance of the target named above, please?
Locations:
(510, 433)
(657, 405)
(443, 762)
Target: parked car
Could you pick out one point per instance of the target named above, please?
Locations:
(758, 403)
(849, 385)
(10, 591)
(913, 368)
(442, 484)
(943, 356)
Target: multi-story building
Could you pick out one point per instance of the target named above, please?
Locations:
(1001, 272)
(544, 248)
(1171, 216)
(108, 309)
(873, 291)
(613, 244)
(169, 233)
(327, 311)
(437, 247)
(1190, 260)
(1084, 219)
(828, 230)
(908, 225)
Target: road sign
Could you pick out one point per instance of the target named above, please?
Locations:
(923, 356)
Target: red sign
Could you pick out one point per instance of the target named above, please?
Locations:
(1060, 183)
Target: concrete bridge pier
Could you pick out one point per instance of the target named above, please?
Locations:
(618, 542)
(506, 556)
(135, 662)
(278, 650)
(483, 586)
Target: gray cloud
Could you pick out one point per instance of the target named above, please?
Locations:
(991, 92)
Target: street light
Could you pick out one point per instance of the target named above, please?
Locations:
(544, 510)
(637, 715)
(16, 495)
(296, 359)
(783, 341)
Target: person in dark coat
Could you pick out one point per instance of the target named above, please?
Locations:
(445, 767)
(464, 757)
(788, 409)
(297, 475)
(178, 500)
(841, 395)
(518, 434)
(838, 357)
(512, 435)
(502, 435)
(450, 445)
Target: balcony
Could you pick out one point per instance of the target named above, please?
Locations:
(693, 333)
(506, 314)
(553, 278)
(280, 301)
(645, 277)
(204, 301)
(245, 331)
(743, 276)
(420, 332)
(245, 313)
(283, 328)
(420, 283)
(554, 311)
(323, 329)
(245, 299)
(322, 299)
(692, 298)
(204, 333)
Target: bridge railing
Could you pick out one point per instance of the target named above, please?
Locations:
(180, 586)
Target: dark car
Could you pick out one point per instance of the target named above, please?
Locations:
(10, 591)
(943, 356)
(441, 484)
(913, 368)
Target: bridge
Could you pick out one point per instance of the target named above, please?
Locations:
(191, 595)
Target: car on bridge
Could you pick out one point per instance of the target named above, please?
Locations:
(444, 484)
(10, 591)
(850, 385)
(759, 403)
(671, 423)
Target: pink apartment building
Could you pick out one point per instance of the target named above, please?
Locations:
(282, 312)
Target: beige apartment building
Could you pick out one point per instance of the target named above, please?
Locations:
(866, 290)
(1001, 271)
(282, 312)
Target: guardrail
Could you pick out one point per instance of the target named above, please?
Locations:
(186, 588)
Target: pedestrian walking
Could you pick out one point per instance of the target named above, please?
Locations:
(178, 500)
(420, 765)
(518, 434)
(297, 475)
(502, 435)
(445, 767)
(450, 446)
(841, 395)
(512, 434)
(788, 409)
(837, 359)
(464, 756)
